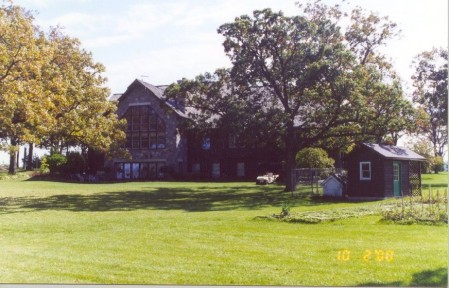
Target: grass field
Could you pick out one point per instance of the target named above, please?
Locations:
(204, 233)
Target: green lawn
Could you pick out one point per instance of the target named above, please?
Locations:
(203, 233)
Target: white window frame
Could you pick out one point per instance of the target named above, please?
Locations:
(361, 171)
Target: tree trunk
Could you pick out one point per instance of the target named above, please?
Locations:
(290, 163)
(12, 157)
(30, 158)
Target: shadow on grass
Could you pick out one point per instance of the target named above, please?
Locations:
(192, 200)
(428, 278)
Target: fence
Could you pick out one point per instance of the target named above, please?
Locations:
(314, 176)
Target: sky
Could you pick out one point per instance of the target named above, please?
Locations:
(162, 41)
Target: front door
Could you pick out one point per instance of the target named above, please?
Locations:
(397, 178)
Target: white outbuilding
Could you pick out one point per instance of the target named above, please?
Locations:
(333, 186)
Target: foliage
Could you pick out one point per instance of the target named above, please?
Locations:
(56, 163)
(51, 90)
(313, 158)
(438, 164)
(418, 209)
(430, 82)
(76, 164)
(424, 148)
(45, 167)
(328, 215)
(304, 80)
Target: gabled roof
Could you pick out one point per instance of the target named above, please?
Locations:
(394, 152)
(336, 178)
(157, 91)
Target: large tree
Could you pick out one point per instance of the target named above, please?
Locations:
(22, 54)
(78, 105)
(51, 90)
(430, 82)
(320, 83)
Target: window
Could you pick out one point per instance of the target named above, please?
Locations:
(216, 170)
(196, 168)
(141, 120)
(140, 170)
(365, 170)
(240, 169)
(206, 143)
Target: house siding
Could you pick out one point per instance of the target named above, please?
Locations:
(365, 188)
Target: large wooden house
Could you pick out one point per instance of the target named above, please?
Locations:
(381, 171)
(160, 148)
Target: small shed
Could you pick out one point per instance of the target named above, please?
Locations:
(381, 171)
(333, 186)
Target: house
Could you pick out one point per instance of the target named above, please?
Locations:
(159, 147)
(334, 186)
(381, 171)
(153, 138)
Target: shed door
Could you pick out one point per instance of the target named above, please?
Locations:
(397, 178)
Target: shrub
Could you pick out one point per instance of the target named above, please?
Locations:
(56, 163)
(314, 158)
(44, 167)
(75, 163)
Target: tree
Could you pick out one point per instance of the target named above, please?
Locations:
(423, 147)
(318, 82)
(22, 53)
(51, 90)
(313, 158)
(77, 100)
(430, 82)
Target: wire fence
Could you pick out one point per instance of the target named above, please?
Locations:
(313, 177)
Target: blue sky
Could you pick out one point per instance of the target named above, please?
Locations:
(170, 39)
(167, 40)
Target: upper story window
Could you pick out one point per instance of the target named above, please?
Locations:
(235, 141)
(365, 170)
(205, 145)
(146, 130)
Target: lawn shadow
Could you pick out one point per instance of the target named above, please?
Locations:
(426, 278)
(220, 198)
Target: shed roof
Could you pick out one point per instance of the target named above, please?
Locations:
(394, 152)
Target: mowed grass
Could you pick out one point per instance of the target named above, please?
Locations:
(202, 233)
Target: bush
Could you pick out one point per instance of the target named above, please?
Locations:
(56, 163)
(44, 167)
(417, 209)
(76, 164)
(314, 158)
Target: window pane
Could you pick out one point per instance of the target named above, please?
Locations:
(153, 122)
(161, 125)
(153, 140)
(136, 141)
(144, 122)
(119, 171)
(161, 140)
(136, 170)
(144, 170)
(144, 141)
(240, 169)
(127, 168)
(128, 141)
